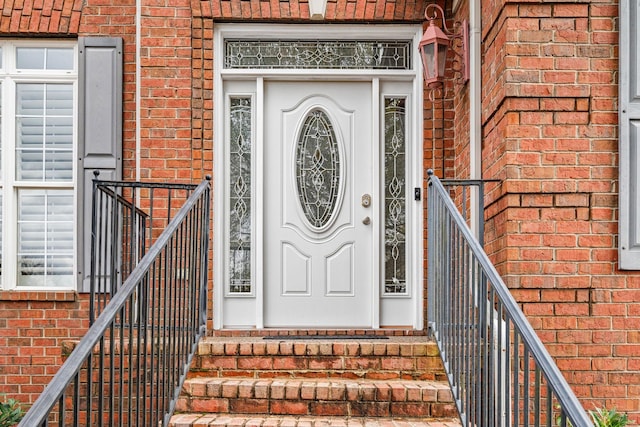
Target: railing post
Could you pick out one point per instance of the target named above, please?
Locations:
(489, 350)
(205, 254)
(430, 252)
(92, 249)
(481, 213)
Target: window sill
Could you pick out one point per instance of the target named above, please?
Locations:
(52, 296)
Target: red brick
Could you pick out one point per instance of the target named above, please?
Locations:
(329, 408)
(575, 364)
(283, 407)
(397, 363)
(413, 410)
(573, 309)
(609, 310)
(249, 406)
(255, 363)
(209, 405)
(370, 409)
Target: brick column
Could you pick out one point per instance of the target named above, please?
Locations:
(550, 133)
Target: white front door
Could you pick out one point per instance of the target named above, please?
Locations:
(318, 204)
(318, 176)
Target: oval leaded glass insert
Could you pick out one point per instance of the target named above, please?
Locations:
(317, 168)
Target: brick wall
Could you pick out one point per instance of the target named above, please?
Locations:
(461, 109)
(202, 114)
(166, 90)
(298, 10)
(550, 135)
(36, 18)
(33, 328)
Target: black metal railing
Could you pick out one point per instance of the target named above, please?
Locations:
(149, 292)
(127, 218)
(499, 371)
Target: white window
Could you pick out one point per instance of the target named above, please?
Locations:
(38, 139)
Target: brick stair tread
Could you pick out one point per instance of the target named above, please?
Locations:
(414, 358)
(241, 346)
(318, 389)
(286, 382)
(240, 420)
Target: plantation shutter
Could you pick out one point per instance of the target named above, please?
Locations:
(99, 132)
(44, 154)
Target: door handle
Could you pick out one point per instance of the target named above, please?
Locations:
(366, 220)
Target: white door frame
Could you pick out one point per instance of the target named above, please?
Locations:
(256, 78)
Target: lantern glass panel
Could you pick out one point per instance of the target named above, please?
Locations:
(442, 59)
(429, 60)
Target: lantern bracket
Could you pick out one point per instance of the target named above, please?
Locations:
(458, 40)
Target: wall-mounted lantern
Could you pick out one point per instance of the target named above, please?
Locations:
(435, 44)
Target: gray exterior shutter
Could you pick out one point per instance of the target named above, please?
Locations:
(99, 132)
(629, 148)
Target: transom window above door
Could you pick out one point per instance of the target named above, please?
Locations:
(318, 54)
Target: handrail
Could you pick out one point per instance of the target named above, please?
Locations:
(144, 368)
(499, 371)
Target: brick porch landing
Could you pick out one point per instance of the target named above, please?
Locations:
(252, 381)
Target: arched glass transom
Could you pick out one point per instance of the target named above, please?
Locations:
(317, 168)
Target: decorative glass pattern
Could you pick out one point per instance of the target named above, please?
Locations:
(317, 168)
(318, 54)
(395, 209)
(240, 195)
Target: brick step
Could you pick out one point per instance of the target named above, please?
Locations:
(239, 420)
(317, 397)
(396, 358)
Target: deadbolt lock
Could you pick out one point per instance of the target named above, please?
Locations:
(366, 200)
